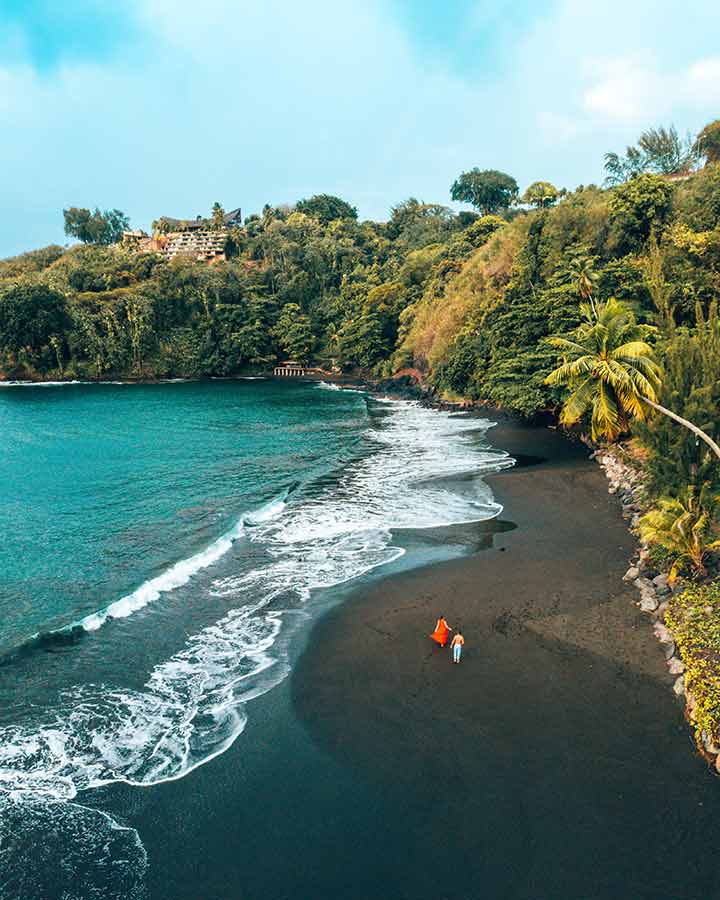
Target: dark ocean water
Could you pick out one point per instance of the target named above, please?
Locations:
(158, 544)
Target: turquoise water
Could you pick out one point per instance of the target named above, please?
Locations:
(160, 544)
(106, 486)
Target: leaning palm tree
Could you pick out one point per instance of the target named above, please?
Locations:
(610, 370)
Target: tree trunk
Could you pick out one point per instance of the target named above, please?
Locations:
(695, 430)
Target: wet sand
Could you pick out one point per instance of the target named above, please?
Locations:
(553, 763)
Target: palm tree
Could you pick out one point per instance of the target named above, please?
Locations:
(610, 370)
(685, 527)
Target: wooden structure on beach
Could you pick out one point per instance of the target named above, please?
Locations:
(290, 369)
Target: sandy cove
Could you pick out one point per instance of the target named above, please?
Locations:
(554, 761)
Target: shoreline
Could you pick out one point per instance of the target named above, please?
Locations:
(561, 694)
(552, 763)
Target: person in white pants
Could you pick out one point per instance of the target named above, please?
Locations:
(457, 644)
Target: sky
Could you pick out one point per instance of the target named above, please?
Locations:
(162, 107)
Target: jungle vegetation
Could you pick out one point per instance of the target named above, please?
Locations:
(469, 301)
(597, 306)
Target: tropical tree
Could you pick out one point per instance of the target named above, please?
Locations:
(326, 208)
(541, 194)
(622, 168)
(294, 332)
(686, 527)
(639, 209)
(707, 143)
(659, 150)
(584, 277)
(99, 228)
(30, 315)
(666, 152)
(217, 216)
(488, 191)
(610, 370)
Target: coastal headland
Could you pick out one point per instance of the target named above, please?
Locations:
(554, 761)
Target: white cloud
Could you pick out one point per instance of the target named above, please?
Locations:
(701, 84)
(633, 89)
(623, 89)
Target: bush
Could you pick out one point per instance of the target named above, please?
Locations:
(694, 619)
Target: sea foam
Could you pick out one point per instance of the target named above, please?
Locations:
(180, 573)
(192, 706)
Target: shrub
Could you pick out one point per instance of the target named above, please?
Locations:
(694, 619)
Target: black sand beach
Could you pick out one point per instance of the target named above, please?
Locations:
(552, 764)
(554, 761)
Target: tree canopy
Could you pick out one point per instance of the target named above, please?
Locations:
(707, 143)
(540, 194)
(659, 150)
(326, 208)
(100, 228)
(30, 315)
(488, 191)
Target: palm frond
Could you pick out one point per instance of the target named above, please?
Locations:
(571, 371)
(567, 345)
(606, 418)
(633, 349)
(578, 402)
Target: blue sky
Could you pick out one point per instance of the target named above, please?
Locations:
(161, 107)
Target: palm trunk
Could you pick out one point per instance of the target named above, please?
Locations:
(695, 430)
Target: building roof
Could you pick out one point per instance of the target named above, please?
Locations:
(234, 217)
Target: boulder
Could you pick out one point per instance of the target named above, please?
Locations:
(675, 666)
(669, 650)
(660, 581)
(648, 603)
(644, 585)
(679, 686)
(632, 573)
(709, 744)
(648, 598)
(662, 633)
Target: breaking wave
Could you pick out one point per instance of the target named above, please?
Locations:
(192, 706)
(180, 573)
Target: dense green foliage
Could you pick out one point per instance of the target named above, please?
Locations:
(685, 528)
(694, 619)
(469, 301)
(707, 143)
(609, 369)
(488, 191)
(99, 228)
(325, 208)
(541, 194)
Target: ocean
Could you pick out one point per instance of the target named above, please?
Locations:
(159, 546)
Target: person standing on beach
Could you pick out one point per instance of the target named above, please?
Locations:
(457, 645)
(442, 630)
